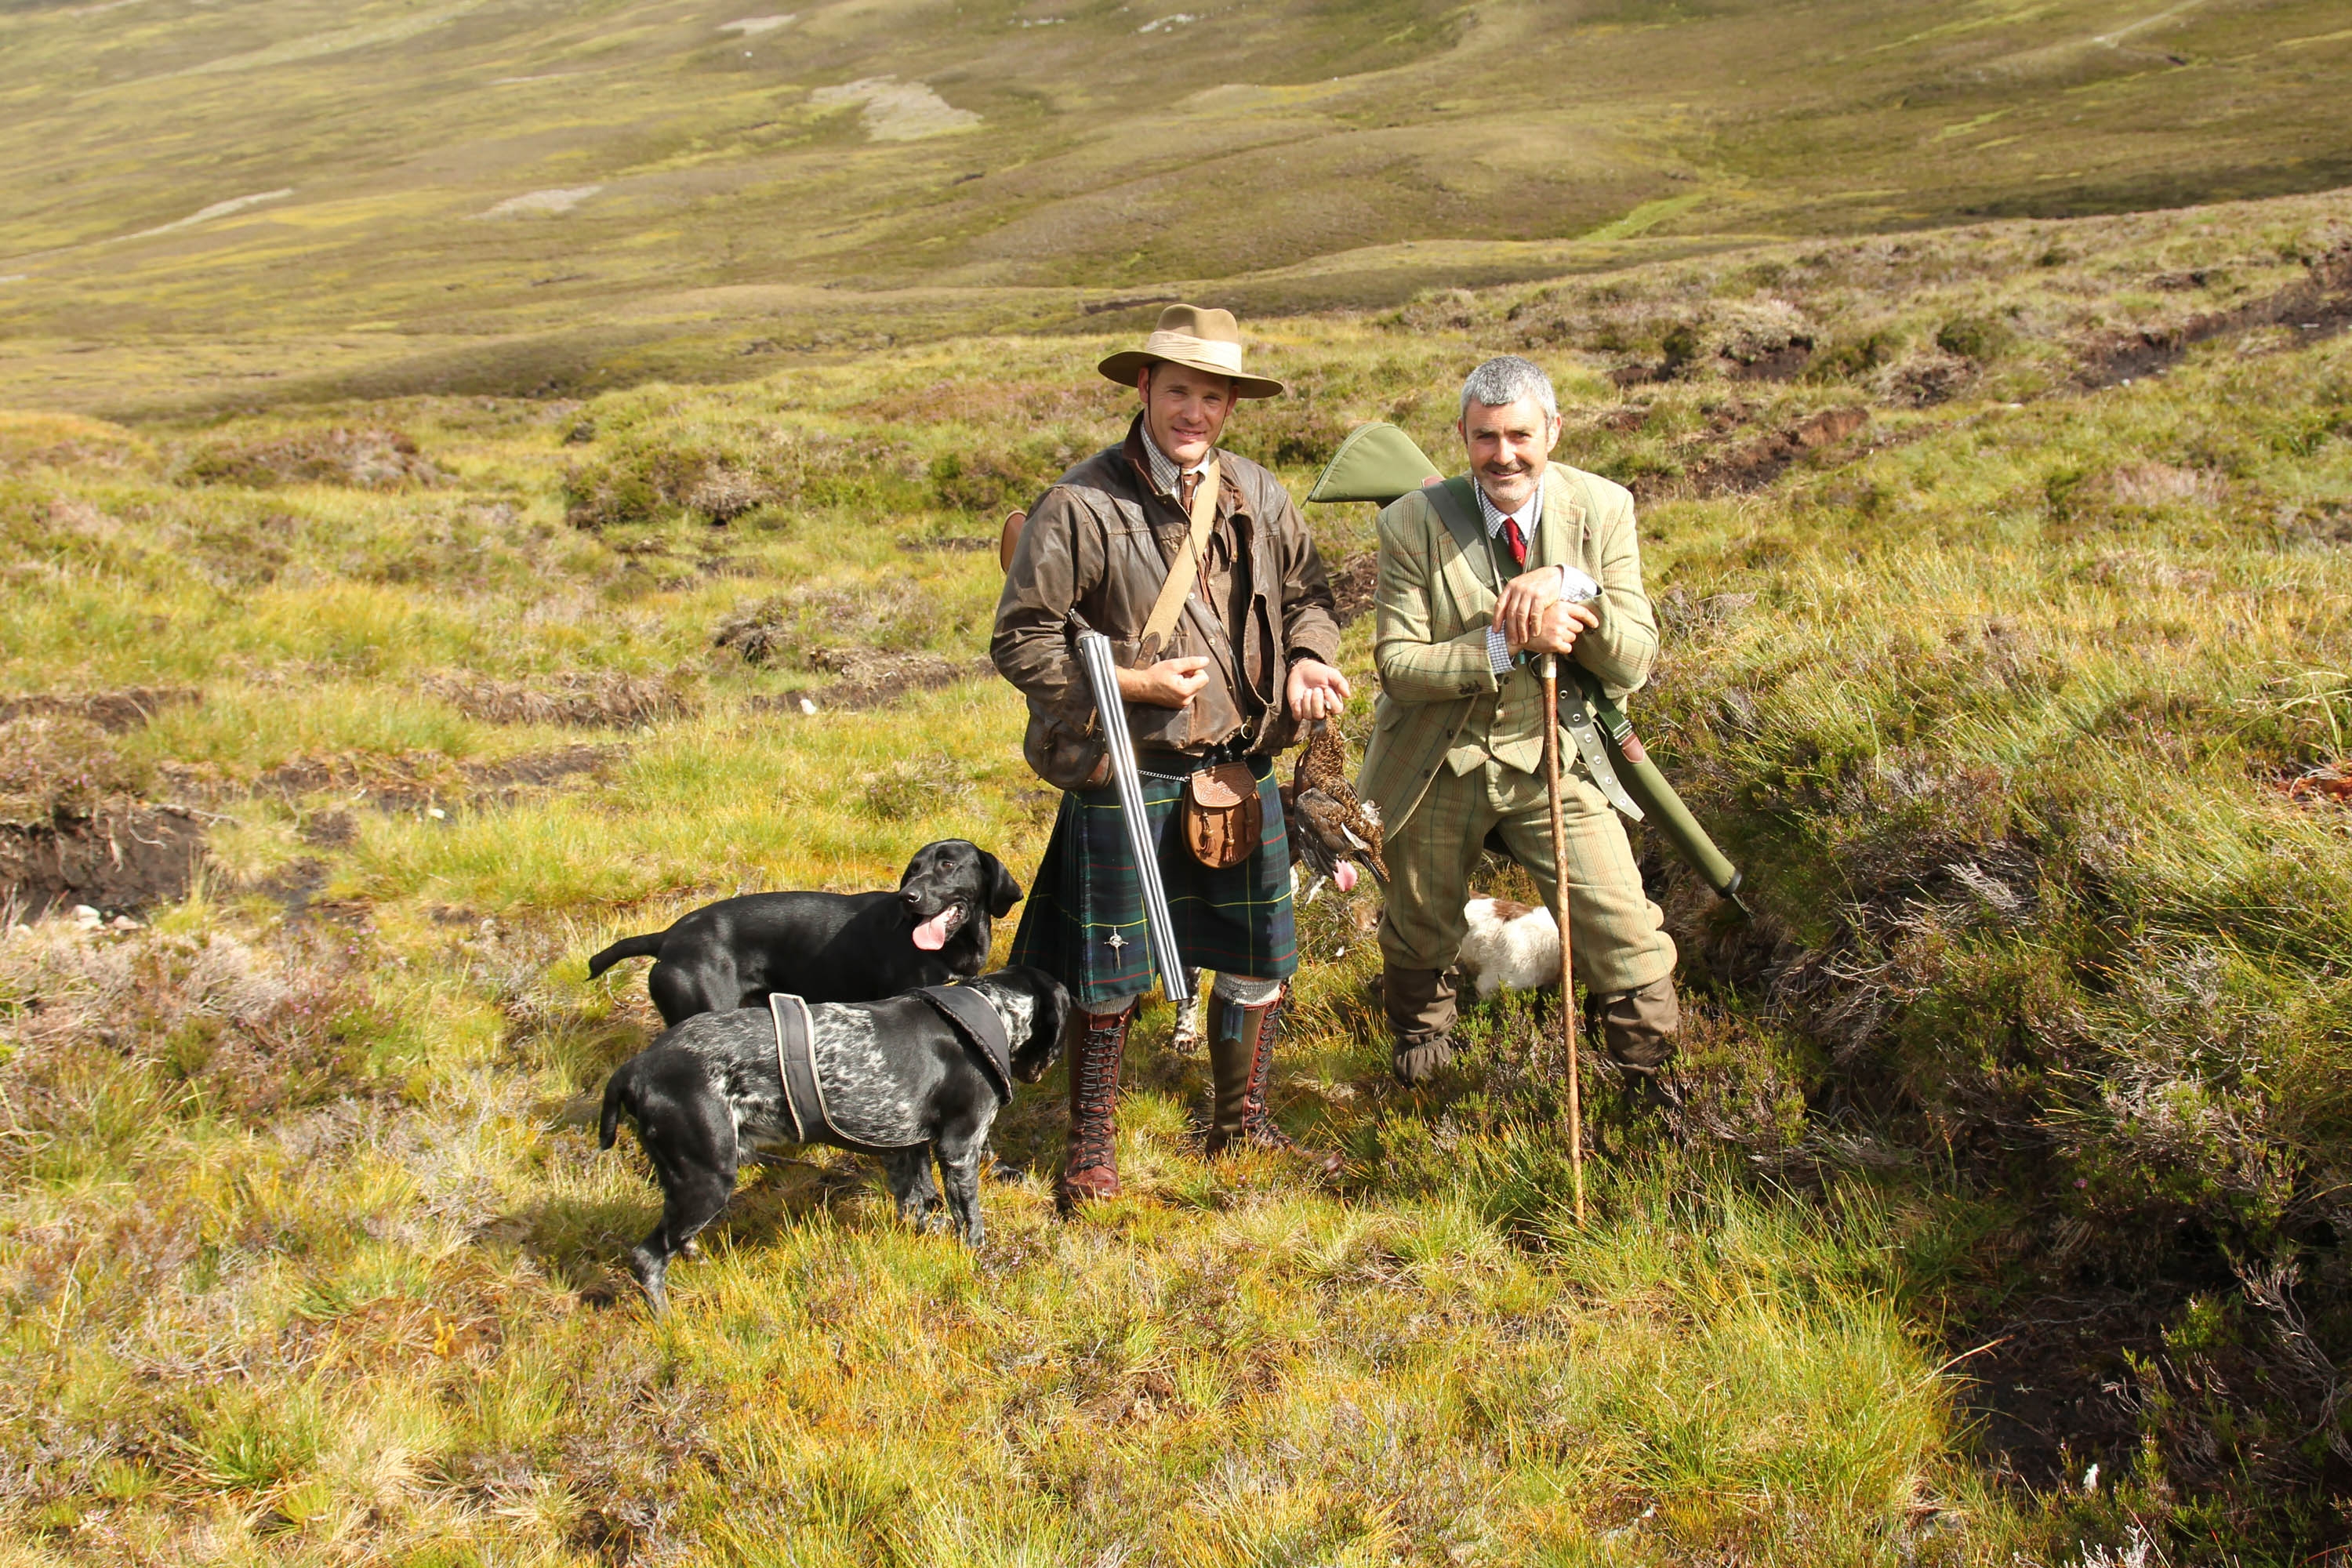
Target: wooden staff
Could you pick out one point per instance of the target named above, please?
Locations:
(1559, 912)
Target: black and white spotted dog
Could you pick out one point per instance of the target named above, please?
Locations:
(897, 1080)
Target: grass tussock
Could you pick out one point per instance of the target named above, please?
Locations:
(368, 458)
(52, 767)
(2006, 1138)
(608, 699)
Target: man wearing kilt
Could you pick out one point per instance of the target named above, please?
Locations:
(1246, 659)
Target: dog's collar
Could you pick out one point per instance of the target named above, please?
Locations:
(981, 1027)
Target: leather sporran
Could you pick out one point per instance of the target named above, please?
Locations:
(1223, 818)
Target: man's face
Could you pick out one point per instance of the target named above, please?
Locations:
(1186, 409)
(1508, 448)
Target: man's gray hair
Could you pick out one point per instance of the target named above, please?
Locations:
(1503, 380)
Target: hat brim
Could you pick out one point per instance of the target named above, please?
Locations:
(1123, 366)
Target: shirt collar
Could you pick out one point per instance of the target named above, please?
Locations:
(1527, 514)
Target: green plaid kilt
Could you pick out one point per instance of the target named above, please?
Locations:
(1235, 921)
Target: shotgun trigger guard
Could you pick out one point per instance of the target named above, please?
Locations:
(1578, 719)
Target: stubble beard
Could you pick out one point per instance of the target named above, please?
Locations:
(1510, 491)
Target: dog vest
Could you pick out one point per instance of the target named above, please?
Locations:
(980, 1028)
(967, 1012)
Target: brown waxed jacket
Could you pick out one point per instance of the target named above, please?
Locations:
(1100, 542)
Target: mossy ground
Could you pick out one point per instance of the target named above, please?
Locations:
(309, 1256)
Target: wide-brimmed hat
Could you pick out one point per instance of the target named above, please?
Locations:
(1197, 338)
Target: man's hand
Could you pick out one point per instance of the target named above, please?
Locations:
(1317, 690)
(1527, 599)
(1559, 627)
(1171, 683)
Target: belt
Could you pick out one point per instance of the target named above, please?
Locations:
(1176, 764)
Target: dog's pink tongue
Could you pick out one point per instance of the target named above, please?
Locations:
(933, 933)
(1345, 875)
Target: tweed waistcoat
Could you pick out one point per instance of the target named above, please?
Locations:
(1507, 724)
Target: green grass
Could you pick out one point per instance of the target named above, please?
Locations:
(307, 1253)
(1357, 153)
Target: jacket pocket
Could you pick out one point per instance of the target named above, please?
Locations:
(1066, 758)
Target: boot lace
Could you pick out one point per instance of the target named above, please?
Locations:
(1257, 1125)
(1094, 1133)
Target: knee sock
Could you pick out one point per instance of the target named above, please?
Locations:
(1243, 992)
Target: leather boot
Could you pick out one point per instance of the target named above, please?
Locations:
(1090, 1167)
(1638, 1029)
(1241, 1061)
(1420, 1005)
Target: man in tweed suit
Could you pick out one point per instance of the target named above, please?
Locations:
(1457, 745)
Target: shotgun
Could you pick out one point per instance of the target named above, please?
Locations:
(1102, 674)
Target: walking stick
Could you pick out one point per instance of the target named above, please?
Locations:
(1559, 913)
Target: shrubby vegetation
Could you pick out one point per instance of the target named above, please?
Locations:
(2000, 1218)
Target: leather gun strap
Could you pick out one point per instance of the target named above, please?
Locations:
(1455, 503)
(1185, 569)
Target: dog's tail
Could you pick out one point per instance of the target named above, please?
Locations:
(646, 946)
(620, 1094)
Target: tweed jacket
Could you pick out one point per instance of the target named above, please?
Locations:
(1436, 598)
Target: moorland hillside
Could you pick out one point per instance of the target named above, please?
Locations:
(2000, 1219)
(228, 205)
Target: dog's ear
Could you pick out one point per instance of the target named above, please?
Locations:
(1003, 892)
(1050, 1018)
(1058, 1003)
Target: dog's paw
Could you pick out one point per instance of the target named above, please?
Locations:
(652, 1274)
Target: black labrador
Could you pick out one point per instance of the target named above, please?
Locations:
(897, 1079)
(828, 947)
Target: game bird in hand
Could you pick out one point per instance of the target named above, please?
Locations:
(1330, 827)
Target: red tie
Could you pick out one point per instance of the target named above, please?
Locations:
(1515, 539)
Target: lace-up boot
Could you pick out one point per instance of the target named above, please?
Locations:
(1241, 1059)
(1090, 1168)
